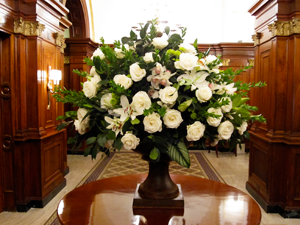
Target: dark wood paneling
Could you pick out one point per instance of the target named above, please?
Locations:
(79, 16)
(274, 160)
(26, 124)
(6, 148)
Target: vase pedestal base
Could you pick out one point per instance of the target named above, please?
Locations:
(144, 203)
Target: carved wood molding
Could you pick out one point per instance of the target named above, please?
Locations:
(251, 62)
(60, 41)
(226, 62)
(28, 28)
(256, 38)
(67, 60)
(285, 28)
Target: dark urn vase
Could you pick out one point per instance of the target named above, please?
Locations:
(158, 184)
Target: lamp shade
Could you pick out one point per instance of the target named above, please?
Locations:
(55, 75)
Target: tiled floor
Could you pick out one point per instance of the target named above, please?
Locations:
(234, 171)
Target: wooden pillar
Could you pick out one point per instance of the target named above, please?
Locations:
(77, 50)
(274, 170)
(32, 152)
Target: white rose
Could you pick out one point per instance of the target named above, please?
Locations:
(130, 141)
(136, 72)
(214, 121)
(225, 130)
(172, 118)
(123, 80)
(186, 61)
(188, 48)
(95, 80)
(80, 127)
(119, 53)
(140, 102)
(81, 112)
(105, 101)
(210, 59)
(226, 108)
(152, 123)
(159, 43)
(99, 53)
(148, 57)
(203, 94)
(93, 71)
(89, 89)
(242, 128)
(168, 95)
(195, 131)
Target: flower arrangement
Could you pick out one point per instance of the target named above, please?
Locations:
(156, 94)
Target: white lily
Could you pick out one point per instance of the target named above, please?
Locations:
(115, 124)
(196, 80)
(126, 110)
(222, 88)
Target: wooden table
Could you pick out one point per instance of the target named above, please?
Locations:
(109, 201)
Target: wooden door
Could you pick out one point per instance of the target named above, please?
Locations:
(6, 128)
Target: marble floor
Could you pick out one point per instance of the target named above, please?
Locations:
(234, 171)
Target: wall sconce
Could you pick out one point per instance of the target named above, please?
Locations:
(1, 19)
(53, 80)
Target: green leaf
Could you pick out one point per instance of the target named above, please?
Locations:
(243, 100)
(71, 140)
(91, 140)
(133, 35)
(101, 140)
(126, 126)
(97, 62)
(125, 40)
(94, 151)
(243, 112)
(183, 106)
(180, 154)
(175, 37)
(154, 153)
(88, 106)
(196, 44)
(87, 151)
(142, 33)
(88, 61)
(167, 30)
(135, 121)
(104, 82)
(236, 100)
(99, 109)
(118, 144)
(63, 125)
(61, 117)
(111, 135)
(246, 135)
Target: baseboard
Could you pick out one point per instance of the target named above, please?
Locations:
(268, 208)
(24, 207)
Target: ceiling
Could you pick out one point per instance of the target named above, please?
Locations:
(212, 21)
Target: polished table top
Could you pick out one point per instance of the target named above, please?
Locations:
(109, 201)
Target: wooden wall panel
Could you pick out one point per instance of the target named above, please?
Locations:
(277, 63)
(33, 43)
